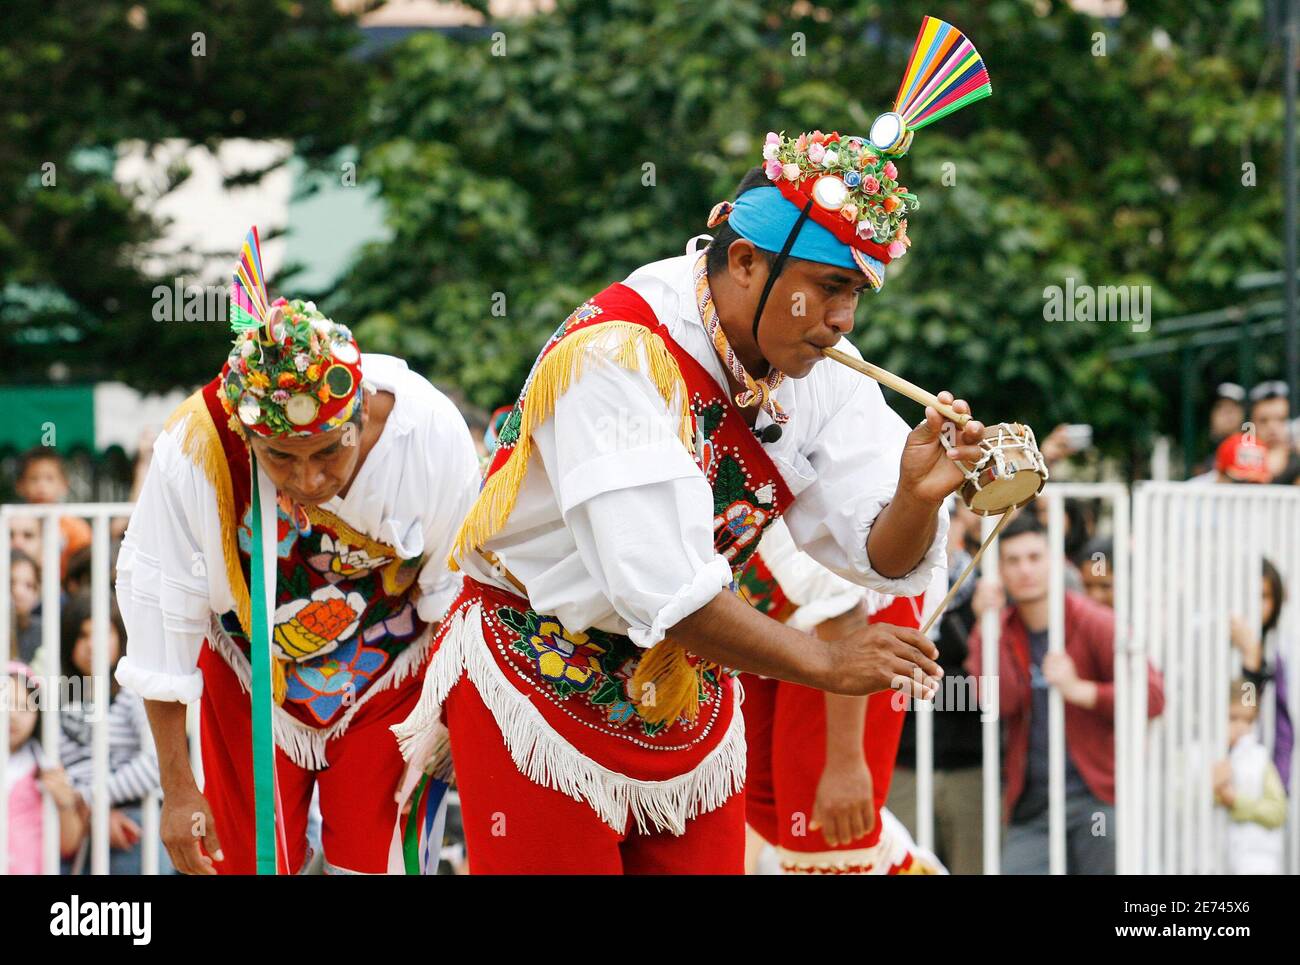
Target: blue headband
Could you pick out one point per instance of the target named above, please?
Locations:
(764, 217)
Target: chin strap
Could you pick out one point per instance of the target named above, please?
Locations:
(779, 264)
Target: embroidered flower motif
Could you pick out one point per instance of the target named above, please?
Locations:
(399, 626)
(316, 626)
(339, 560)
(736, 528)
(582, 313)
(621, 711)
(561, 655)
(324, 684)
(285, 533)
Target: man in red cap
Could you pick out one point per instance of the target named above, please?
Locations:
(1242, 458)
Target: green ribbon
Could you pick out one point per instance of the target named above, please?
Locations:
(411, 840)
(262, 699)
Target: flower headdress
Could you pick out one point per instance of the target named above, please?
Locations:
(292, 371)
(849, 185)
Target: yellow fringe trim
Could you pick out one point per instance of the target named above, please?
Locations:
(669, 684)
(555, 373)
(279, 685)
(199, 441)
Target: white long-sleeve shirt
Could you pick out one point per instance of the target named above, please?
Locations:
(415, 486)
(613, 526)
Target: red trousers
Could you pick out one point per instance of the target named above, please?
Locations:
(356, 790)
(785, 730)
(514, 826)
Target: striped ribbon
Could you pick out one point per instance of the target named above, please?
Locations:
(759, 392)
(422, 840)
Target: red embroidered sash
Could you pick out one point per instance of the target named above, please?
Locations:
(578, 678)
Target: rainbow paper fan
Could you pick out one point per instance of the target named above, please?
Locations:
(944, 74)
(249, 302)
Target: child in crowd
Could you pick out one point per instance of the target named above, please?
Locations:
(42, 479)
(1248, 785)
(25, 597)
(132, 759)
(1258, 674)
(26, 779)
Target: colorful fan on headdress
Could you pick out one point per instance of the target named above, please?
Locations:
(249, 302)
(944, 74)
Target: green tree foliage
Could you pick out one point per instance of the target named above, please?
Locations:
(514, 165)
(78, 79)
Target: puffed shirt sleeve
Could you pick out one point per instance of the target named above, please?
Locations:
(819, 594)
(163, 589)
(452, 469)
(638, 507)
(855, 456)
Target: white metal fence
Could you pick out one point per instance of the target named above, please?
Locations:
(1186, 558)
(1190, 561)
(53, 684)
(1198, 561)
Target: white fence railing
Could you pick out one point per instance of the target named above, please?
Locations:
(53, 684)
(1198, 561)
(1191, 559)
(1186, 558)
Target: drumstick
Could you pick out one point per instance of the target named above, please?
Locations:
(899, 385)
(967, 572)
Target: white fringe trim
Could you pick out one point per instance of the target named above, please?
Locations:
(890, 851)
(302, 743)
(547, 758)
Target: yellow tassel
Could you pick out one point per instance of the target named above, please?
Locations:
(553, 376)
(199, 441)
(665, 686)
(279, 686)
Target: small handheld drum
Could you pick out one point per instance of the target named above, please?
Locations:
(1011, 471)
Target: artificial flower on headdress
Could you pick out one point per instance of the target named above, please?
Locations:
(292, 371)
(850, 185)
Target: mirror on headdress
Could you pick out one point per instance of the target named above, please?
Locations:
(886, 131)
(830, 192)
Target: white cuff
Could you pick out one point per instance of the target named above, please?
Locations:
(808, 616)
(155, 685)
(914, 583)
(716, 575)
(433, 604)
